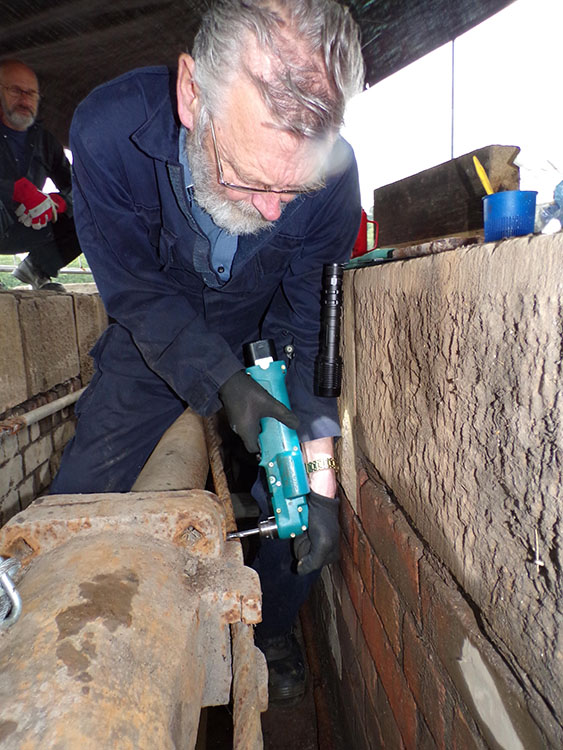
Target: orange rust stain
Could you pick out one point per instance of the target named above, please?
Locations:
(22, 548)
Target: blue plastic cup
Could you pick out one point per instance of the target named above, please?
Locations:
(509, 214)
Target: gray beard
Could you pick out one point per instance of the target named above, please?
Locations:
(235, 217)
(17, 120)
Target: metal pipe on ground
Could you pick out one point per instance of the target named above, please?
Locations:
(180, 460)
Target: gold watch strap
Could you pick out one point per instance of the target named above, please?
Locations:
(320, 464)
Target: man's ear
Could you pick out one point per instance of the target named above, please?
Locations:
(187, 91)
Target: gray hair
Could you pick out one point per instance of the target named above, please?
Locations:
(314, 50)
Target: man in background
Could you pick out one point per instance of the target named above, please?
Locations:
(30, 220)
(207, 201)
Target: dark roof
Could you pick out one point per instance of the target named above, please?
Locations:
(75, 45)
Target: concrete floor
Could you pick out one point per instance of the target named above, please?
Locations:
(291, 728)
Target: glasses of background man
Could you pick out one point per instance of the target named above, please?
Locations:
(16, 91)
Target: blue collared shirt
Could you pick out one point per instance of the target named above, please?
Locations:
(223, 244)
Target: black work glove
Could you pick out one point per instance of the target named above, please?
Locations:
(318, 546)
(246, 403)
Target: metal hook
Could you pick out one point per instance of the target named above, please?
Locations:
(11, 610)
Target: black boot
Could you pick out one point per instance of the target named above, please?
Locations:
(30, 274)
(286, 667)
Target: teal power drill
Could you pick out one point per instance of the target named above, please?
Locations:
(280, 452)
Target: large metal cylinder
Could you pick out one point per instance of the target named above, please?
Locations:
(179, 461)
(128, 604)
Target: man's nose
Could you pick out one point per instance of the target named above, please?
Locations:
(268, 204)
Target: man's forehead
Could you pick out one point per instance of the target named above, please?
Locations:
(17, 73)
(258, 150)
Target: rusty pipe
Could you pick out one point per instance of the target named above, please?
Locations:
(179, 461)
(128, 601)
(125, 630)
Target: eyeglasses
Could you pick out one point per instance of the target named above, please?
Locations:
(247, 188)
(16, 91)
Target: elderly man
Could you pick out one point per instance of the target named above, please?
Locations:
(28, 155)
(206, 214)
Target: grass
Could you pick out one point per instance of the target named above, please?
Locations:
(10, 281)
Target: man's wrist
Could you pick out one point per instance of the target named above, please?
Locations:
(319, 452)
(321, 464)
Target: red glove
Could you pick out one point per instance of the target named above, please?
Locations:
(36, 209)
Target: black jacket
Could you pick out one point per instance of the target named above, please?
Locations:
(47, 160)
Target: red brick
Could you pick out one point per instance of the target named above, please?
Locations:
(400, 698)
(365, 560)
(462, 736)
(372, 729)
(390, 734)
(362, 477)
(448, 619)
(442, 604)
(354, 685)
(424, 739)
(347, 610)
(366, 665)
(393, 541)
(426, 684)
(353, 717)
(347, 516)
(387, 605)
(351, 575)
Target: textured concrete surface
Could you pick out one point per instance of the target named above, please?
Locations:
(91, 320)
(13, 382)
(45, 340)
(456, 374)
(49, 339)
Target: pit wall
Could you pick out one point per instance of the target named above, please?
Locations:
(45, 338)
(443, 618)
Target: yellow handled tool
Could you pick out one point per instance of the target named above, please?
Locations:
(483, 176)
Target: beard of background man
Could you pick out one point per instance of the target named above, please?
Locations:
(18, 117)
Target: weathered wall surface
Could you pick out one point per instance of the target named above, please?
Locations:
(451, 402)
(45, 338)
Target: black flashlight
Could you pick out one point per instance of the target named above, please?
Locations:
(328, 365)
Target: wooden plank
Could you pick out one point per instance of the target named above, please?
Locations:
(443, 201)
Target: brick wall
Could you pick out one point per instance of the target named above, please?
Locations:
(443, 630)
(404, 631)
(44, 343)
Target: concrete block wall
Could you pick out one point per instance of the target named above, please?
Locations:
(45, 338)
(444, 617)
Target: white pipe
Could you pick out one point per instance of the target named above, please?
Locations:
(16, 423)
(67, 269)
